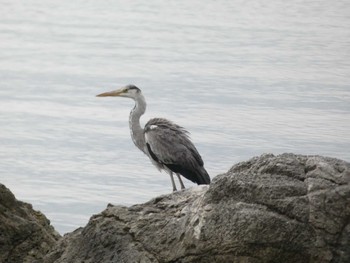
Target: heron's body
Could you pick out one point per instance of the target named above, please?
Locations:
(166, 144)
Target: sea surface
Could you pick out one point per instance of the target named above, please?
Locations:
(244, 77)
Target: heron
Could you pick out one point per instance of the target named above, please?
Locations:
(167, 144)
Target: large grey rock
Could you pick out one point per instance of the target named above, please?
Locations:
(25, 234)
(288, 208)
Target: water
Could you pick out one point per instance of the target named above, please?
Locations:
(245, 77)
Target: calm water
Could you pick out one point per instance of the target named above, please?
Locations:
(245, 77)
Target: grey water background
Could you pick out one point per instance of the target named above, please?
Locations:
(244, 77)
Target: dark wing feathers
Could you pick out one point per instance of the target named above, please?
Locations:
(169, 145)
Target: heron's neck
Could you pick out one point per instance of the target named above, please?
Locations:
(136, 130)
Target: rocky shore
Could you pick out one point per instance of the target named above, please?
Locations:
(285, 208)
(25, 234)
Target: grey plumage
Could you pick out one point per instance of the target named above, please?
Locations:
(166, 144)
(172, 148)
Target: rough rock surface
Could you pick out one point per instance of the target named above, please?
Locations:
(25, 234)
(286, 208)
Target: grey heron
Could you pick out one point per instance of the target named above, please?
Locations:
(166, 144)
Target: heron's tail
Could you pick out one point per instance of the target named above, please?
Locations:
(202, 176)
(198, 176)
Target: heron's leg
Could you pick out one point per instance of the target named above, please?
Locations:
(172, 181)
(181, 183)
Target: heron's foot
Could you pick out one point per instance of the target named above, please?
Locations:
(183, 187)
(174, 189)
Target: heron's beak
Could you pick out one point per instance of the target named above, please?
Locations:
(113, 93)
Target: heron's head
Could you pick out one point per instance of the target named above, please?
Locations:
(129, 91)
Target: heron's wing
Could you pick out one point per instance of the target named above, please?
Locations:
(170, 145)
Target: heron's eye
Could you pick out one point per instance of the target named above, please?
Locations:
(125, 90)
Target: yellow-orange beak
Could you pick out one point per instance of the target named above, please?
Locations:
(113, 93)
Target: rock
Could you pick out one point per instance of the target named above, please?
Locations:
(286, 208)
(25, 234)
